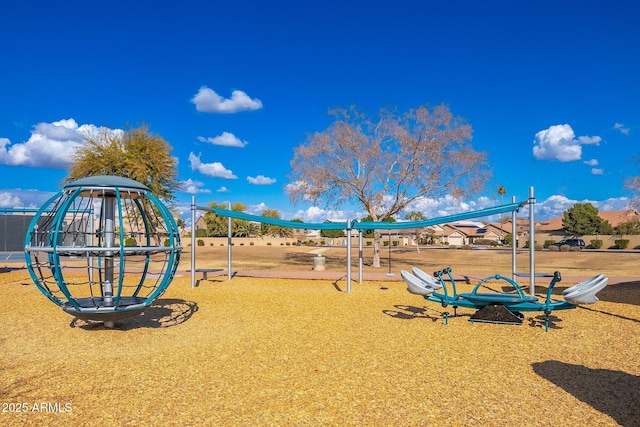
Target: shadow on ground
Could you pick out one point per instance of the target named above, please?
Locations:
(163, 313)
(613, 393)
(623, 293)
(409, 312)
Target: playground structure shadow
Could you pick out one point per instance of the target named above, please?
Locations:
(605, 390)
(624, 293)
(162, 313)
(409, 312)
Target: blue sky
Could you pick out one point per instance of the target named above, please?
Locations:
(551, 89)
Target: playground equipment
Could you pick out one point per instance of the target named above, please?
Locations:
(500, 307)
(103, 248)
(350, 226)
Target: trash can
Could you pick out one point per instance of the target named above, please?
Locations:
(318, 263)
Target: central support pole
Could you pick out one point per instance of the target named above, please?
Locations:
(109, 242)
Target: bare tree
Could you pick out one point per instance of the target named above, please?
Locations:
(388, 162)
(415, 233)
(633, 184)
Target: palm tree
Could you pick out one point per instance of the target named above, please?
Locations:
(246, 229)
(137, 154)
(501, 192)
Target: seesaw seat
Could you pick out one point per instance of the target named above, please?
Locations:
(586, 294)
(585, 284)
(428, 279)
(415, 285)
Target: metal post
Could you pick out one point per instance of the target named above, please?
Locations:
(514, 242)
(360, 256)
(193, 241)
(89, 241)
(109, 242)
(389, 274)
(532, 242)
(229, 243)
(348, 256)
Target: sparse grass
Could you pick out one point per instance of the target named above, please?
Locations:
(491, 261)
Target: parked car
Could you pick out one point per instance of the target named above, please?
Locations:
(570, 242)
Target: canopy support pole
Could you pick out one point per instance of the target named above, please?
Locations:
(193, 241)
(532, 243)
(229, 244)
(360, 256)
(348, 256)
(514, 243)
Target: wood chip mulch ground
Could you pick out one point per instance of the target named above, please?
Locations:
(254, 352)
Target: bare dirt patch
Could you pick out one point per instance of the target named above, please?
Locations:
(298, 258)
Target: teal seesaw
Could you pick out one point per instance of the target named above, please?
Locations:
(499, 307)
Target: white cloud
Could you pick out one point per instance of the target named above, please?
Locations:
(216, 169)
(227, 139)
(8, 200)
(222, 189)
(559, 142)
(50, 145)
(448, 205)
(18, 198)
(260, 180)
(592, 162)
(207, 101)
(620, 127)
(612, 204)
(597, 171)
(315, 214)
(257, 209)
(194, 187)
(554, 206)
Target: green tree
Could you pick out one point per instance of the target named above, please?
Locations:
(415, 216)
(370, 232)
(274, 230)
(243, 228)
(386, 163)
(629, 227)
(583, 219)
(332, 234)
(508, 238)
(136, 154)
(218, 226)
(181, 224)
(415, 235)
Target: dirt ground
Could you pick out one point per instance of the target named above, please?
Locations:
(474, 262)
(277, 352)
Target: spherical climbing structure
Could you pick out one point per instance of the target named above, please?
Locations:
(103, 249)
